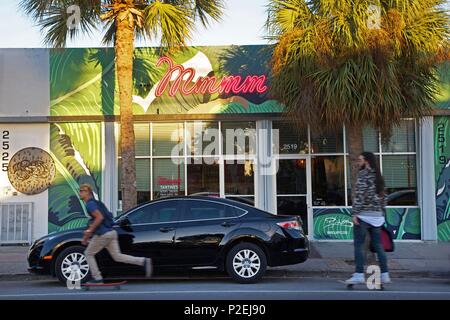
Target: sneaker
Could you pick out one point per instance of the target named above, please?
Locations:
(148, 267)
(385, 277)
(94, 281)
(356, 278)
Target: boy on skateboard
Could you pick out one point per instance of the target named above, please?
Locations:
(104, 236)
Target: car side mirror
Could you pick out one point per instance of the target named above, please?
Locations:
(124, 222)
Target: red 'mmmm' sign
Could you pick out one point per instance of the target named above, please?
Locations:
(184, 77)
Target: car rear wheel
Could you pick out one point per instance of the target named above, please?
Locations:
(246, 263)
(71, 265)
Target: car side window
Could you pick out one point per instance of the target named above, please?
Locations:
(407, 199)
(203, 210)
(160, 212)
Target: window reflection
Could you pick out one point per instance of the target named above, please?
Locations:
(239, 178)
(328, 182)
(327, 142)
(202, 178)
(291, 140)
(166, 137)
(239, 137)
(291, 177)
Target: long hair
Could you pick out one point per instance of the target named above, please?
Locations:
(379, 181)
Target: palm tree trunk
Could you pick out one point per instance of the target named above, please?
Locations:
(355, 146)
(124, 46)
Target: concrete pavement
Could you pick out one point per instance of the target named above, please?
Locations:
(332, 259)
(270, 288)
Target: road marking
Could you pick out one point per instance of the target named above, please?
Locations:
(221, 291)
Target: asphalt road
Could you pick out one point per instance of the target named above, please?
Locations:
(273, 288)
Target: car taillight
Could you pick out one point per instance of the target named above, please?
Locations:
(290, 225)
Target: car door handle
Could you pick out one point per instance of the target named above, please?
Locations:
(227, 224)
(166, 229)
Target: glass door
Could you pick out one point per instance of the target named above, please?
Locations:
(292, 188)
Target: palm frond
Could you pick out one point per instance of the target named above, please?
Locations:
(205, 10)
(173, 24)
(208, 9)
(333, 68)
(58, 22)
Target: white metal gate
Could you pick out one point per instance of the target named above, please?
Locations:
(16, 223)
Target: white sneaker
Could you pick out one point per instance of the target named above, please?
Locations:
(385, 277)
(356, 278)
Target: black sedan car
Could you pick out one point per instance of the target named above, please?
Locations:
(182, 232)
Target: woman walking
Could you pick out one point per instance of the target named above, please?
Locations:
(368, 216)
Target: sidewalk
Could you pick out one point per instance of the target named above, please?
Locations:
(410, 259)
(329, 259)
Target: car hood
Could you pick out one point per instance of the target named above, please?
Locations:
(56, 234)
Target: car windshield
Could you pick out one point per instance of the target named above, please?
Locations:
(120, 216)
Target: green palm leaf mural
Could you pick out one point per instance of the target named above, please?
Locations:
(82, 82)
(336, 224)
(333, 224)
(444, 231)
(76, 149)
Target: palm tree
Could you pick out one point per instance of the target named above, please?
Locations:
(171, 21)
(357, 63)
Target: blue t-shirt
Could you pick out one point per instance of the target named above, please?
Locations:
(107, 221)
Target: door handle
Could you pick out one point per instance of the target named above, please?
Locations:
(227, 224)
(166, 229)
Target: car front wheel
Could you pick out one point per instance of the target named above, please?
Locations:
(71, 265)
(246, 263)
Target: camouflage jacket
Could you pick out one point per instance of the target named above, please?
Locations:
(366, 198)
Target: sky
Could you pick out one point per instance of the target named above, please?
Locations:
(242, 23)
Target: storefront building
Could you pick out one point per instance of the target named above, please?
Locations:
(59, 128)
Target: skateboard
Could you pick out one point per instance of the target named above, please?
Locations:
(350, 286)
(116, 285)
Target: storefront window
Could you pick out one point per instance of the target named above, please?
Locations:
(203, 138)
(370, 140)
(245, 200)
(239, 138)
(166, 137)
(400, 179)
(349, 184)
(397, 161)
(239, 178)
(203, 178)
(168, 178)
(291, 177)
(142, 139)
(403, 138)
(291, 189)
(143, 180)
(296, 206)
(327, 142)
(291, 140)
(328, 181)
